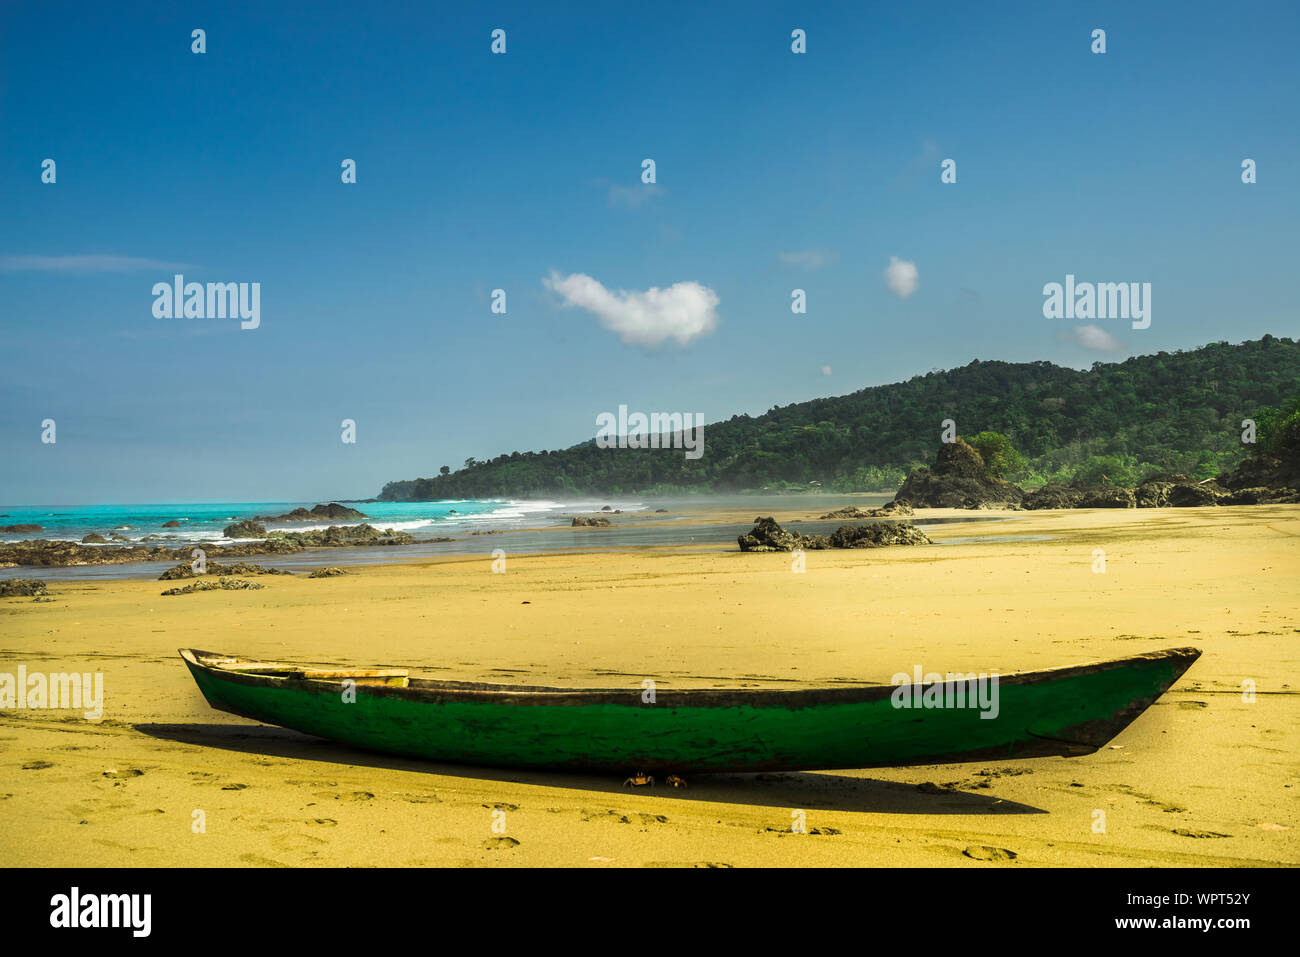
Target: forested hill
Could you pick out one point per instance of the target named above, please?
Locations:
(1179, 411)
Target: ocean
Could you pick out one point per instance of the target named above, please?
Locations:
(202, 523)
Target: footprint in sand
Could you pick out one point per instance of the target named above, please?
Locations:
(324, 821)
(653, 818)
(688, 864)
(503, 806)
(983, 852)
(37, 765)
(346, 795)
(233, 787)
(124, 773)
(1187, 832)
(499, 843)
(260, 861)
(1193, 705)
(1145, 798)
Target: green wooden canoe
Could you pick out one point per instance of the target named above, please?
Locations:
(1066, 711)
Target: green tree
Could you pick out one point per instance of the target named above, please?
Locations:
(999, 455)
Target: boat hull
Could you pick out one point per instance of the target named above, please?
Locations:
(1062, 711)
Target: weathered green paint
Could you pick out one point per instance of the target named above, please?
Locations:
(1060, 711)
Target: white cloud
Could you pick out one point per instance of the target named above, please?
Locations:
(826, 370)
(901, 277)
(633, 197)
(1094, 338)
(83, 264)
(810, 258)
(683, 312)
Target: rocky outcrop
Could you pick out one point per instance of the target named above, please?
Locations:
(21, 587)
(329, 571)
(1187, 495)
(317, 513)
(958, 479)
(877, 535)
(20, 529)
(768, 536)
(94, 538)
(1052, 496)
(1260, 495)
(244, 529)
(892, 509)
(221, 584)
(186, 570)
(172, 524)
(40, 552)
(1107, 496)
(1265, 471)
(591, 522)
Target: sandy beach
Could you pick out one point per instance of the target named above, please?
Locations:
(1203, 778)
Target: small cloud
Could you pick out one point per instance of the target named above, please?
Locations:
(1094, 338)
(810, 258)
(826, 370)
(682, 312)
(84, 264)
(633, 197)
(901, 277)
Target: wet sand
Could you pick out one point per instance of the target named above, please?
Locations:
(1203, 777)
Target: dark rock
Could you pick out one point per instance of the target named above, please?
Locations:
(172, 524)
(1107, 496)
(768, 536)
(889, 509)
(1052, 496)
(661, 510)
(94, 538)
(318, 513)
(1261, 496)
(877, 535)
(221, 584)
(1153, 493)
(604, 508)
(20, 528)
(245, 529)
(186, 570)
(21, 587)
(40, 552)
(1183, 495)
(327, 572)
(1264, 471)
(590, 522)
(958, 480)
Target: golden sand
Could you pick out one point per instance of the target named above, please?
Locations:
(1204, 777)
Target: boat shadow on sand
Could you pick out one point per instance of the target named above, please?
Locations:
(826, 790)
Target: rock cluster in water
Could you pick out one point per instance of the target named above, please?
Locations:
(36, 551)
(581, 522)
(318, 513)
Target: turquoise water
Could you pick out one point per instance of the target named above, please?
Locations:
(202, 523)
(547, 524)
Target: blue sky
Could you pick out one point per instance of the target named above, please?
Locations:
(476, 171)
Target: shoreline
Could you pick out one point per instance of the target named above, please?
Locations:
(121, 791)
